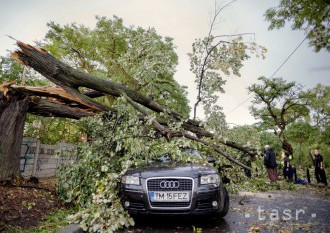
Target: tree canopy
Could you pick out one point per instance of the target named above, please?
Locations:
(135, 57)
(311, 16)
(277, 104)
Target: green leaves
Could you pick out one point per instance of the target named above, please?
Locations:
(212, 59)
(135, 57)
(278, 103)
(308, 15)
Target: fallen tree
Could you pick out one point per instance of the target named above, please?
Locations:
(66, 100)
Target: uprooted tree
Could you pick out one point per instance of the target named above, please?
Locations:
(66, 100)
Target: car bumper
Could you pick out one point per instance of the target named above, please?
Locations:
(200, 203)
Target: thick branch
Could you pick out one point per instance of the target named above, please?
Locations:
(39, 106)
(57, 93)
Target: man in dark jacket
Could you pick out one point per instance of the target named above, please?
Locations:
(270, 163)
(319, 168)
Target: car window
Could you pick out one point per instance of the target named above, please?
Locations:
(162, 159)
(193, 153)
(165, 158)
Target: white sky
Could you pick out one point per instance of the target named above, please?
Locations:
(183, 20)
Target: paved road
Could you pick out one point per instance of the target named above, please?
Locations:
(272, 211)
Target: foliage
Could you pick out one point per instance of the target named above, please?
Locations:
(135, 57)
(51, 130)
(213, 58)
(313, 17)
(12, 71)
(269, 138)
(9, 70)
(277, 104)
(93, 182)
(215, 121)
(299, 132)
(248, 135)
(319, 105)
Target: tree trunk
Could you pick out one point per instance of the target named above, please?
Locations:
(13, 108)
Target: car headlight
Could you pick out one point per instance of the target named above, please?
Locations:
(210, 179)
(130, 180)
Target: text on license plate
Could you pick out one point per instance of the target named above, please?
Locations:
(169, 196)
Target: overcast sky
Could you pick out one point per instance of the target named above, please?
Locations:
(183, 20)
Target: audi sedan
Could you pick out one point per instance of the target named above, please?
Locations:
(166, 188)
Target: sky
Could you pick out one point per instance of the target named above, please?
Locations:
(184, 21)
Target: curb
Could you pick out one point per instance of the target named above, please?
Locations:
(72, 228)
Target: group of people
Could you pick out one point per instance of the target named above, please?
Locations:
(288, 170)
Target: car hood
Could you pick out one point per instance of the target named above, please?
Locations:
(160, 170)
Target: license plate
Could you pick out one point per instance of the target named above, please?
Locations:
(169, 196)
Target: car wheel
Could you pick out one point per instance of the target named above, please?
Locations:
(225, 203)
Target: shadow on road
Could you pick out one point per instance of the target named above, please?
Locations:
(162, 224)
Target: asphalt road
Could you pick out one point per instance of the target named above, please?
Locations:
(274, 211)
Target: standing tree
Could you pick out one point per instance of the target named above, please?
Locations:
(277, 104)
(313, 17)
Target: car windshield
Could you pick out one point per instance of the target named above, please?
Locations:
(165, 158)
(193, 153)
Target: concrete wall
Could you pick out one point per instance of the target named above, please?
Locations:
(42, 160)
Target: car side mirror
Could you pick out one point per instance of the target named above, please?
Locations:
(211, 160)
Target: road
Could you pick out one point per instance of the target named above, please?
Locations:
(306, 210)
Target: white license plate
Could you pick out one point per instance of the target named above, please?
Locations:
(169, 196)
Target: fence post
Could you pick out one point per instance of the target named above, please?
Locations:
(35, 160)
(58, 157)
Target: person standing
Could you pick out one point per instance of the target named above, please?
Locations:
(270, 163)
(287, 168)
(319, 168)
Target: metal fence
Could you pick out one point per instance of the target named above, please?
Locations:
(42, 160)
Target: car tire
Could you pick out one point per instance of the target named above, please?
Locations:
(225, 204)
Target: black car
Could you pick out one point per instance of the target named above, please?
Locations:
(164, 187)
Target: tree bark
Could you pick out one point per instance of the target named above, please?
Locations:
(13, 109)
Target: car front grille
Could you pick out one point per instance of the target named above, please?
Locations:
(184, 184)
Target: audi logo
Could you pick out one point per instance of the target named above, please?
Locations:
(169, 184)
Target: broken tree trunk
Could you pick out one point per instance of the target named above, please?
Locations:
(13, 109)
(15, 102)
